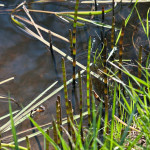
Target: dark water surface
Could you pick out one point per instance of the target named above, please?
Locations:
(29, 61)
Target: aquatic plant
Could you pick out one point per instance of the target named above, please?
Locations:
(129, 100)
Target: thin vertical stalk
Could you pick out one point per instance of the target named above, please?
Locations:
(60, 114)
(95, 3)
(113, 8)
(69, 130)
(105, 87)
(120, 62)
(71, 44)
(58, 119)
(28, 143)
(47, 142)
(140, 62)
(65, 85)
(88, 82)
(74, 52)
(80, 90)
(113, 39)
(55, 133)
(103, 30)
(121, 48)
(71, 117)
(113, 33)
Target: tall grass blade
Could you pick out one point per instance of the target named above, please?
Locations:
(112, 121)
(141, 22)
(126, 21)
(13, 127)
(129, 122)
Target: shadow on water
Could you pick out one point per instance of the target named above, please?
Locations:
(29, 61)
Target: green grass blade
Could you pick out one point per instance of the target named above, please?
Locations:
(13, 127)
(129, 122)
(112, 121)
(141, 21)
(126, 21)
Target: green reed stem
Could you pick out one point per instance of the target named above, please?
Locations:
(88, 82)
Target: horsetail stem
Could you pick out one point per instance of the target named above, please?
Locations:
(113, 33)
(71, 117)
(60, 113)
(55, 133)
(88, 82)
(80, 107)
(74, 52)
(121, 49)
(28, 143)
(105, 87)
(65, 85)
(80, 90)
(58, 118)
(70, 39)
(103, 30)
(47, 142)
(69, 131)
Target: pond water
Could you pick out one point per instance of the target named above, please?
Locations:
(29, 61)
